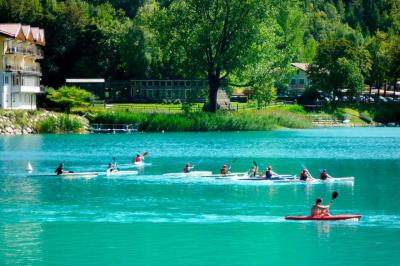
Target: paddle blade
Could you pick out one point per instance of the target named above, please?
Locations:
(255, 163)
(335, 195)
(145, 153)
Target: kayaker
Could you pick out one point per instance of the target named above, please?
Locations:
(269, 173)
(253, 171)
(319, 210)
(111, 168)
(324, 175)
(139, 158)
(187, 168)
(59, 170)
(305, 175)
(225, 170)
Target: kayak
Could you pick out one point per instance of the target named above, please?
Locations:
(193, 173)
(294, 179)
(115, 173)
(229, 176)
(287, 178)
(325, 218)
(70, 175)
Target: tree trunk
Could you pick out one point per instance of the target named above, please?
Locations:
(212, 96)
(384, 89)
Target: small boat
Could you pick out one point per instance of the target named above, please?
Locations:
(325, 218)
(117, 173)
(193, 173)
(29, 167)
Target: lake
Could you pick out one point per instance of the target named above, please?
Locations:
(151, 219)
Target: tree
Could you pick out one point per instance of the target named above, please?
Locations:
(68, 97)
(211, 38)
(337, 68)
(378, 49)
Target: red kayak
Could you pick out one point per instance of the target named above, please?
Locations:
(325, 218)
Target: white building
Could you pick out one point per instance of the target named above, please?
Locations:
(20, 48)
(299, 81)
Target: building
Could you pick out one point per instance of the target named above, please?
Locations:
(299, 81)
(21, 47)
(158, 90)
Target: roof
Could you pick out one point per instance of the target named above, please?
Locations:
(302, 66)
(84, 81)
(23, 32)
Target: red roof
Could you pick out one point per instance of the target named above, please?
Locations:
(302, 66)
(14, 30)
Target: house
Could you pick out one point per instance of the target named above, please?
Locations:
(20, 48)
(157, 90)
(299, 81)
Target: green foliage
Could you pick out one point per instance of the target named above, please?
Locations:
(337, 68)
(68, 97)
(63, 123)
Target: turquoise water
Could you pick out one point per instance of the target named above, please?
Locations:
(150, 219)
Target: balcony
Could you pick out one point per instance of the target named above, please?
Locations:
(34, 52)
(23, 69)
(26, 89)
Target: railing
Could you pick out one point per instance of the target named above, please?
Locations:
(113, 128)
(28, 69)
(37, 52)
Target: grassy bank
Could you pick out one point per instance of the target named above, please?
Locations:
(201, 121)
(61, 123)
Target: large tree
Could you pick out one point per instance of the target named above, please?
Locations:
(211, 38)
(337, 68)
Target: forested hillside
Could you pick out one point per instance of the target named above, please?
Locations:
(123, 39)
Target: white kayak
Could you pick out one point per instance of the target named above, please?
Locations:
(192, 173)
(295, 180)
(117, 173)
(71, 175)
(230, 175)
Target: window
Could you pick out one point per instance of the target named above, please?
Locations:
(6, 80)
(181, 83)
(13, 98)
(163, 83)
(150, 83)
(175, 83)
(144, 83)
(169, 83)
(187, 83)
(293, 82)
(301, 81)
(156, 83)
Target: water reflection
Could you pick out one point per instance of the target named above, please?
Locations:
(21, 243)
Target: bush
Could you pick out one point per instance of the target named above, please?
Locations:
(61, 124)
(201, 121)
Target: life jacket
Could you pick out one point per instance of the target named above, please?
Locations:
(186, 170)
(268, 174)
(138, 159)
(323, 176)
(224, 171)
(303, 175)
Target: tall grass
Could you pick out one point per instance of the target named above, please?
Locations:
(62, 123)
(201, 121)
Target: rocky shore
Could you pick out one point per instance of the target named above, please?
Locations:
(30, 122)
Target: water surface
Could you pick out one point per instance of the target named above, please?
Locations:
(150, 219)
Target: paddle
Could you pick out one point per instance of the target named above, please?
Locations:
(334, 195)
(145, 153)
